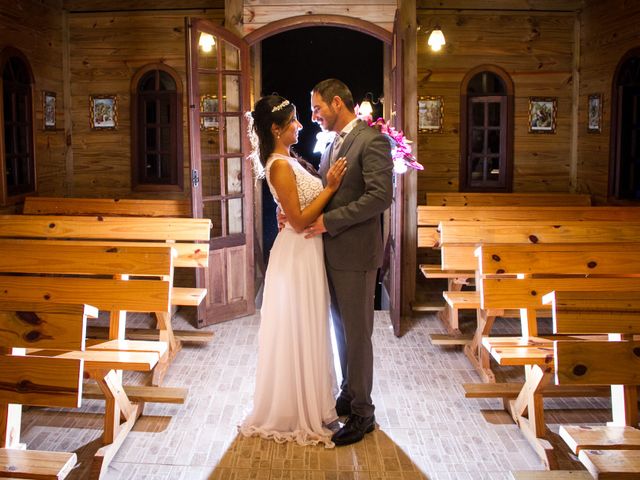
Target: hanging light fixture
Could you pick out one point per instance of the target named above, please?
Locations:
(436, 39)
(206, 42)
(365, 109)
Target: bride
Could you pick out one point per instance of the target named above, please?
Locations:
(294, 398)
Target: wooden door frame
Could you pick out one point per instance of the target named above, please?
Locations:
(464, 173)
(406, 9)
(247, 305)
(616, 112)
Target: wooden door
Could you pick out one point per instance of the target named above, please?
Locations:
(629, 126)
(394, 247)
(487, 143)
(221, 172)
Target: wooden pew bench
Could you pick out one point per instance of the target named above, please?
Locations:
(460, 239)
(117, 232)
(195, 255)
(612, 450)
(561, 363)
(548, 199)
(606, 452)
(431, 218)
(109, 207)
(51, 374)
(104, 276)
(38, 381)
(518, 276)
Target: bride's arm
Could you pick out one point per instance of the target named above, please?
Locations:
(284, 182)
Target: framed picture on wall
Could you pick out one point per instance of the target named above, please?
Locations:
(430, 114)
(594, 112)
(208, 104)
(103, 112)
(542, 114)
(48, 110)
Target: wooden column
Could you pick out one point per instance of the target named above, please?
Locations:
(408, 22)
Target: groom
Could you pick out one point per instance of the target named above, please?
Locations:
(352, 246)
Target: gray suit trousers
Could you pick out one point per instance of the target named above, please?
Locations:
(352, 297)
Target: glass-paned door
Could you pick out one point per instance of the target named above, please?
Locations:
(221, 172)
(487, 141)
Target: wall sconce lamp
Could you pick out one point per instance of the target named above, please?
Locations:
(206, 42)
(436, 39)
(365, 109)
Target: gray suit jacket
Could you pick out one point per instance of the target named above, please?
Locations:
(352, 217)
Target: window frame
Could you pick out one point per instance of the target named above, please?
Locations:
(138, 163)
(6, 198)
(505, 184)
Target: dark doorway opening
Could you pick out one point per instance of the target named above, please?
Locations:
(294, 61)
(625, 129)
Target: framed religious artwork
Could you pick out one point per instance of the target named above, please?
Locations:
(542, 114)
(103, 112)
(430, 114)
(594, 113)
(208, 105)
(48, 110)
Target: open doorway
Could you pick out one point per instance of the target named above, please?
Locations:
(293, 62)
(625, 129)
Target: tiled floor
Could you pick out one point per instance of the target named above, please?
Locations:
(427, 429)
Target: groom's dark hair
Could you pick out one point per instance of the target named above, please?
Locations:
(332, 87)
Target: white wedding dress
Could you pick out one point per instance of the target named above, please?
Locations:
(295, 390)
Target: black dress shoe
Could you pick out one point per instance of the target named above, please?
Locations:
(343, 407)
(354, 430)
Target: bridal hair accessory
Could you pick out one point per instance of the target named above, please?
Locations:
(280, 106)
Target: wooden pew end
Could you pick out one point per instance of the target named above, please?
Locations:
(35, 464)
(553, 475)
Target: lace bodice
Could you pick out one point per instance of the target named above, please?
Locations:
(309, 187)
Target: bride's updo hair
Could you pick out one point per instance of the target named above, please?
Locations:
(267, 111)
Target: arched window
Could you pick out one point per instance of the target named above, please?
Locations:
(486, 137)
(625, 129)
(156, 157)
(18, 162)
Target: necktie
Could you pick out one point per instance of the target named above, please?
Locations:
(335, 146)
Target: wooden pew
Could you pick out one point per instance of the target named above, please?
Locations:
(109, 207)
(106, 277)
(450, 199)
(611, 451)
(38, 381)
(180, 233)
(460, 239)
(518, 276)
(191, 255)
(429, 218)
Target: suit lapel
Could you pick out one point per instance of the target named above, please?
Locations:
(324, 163)
(344, 148)
(348, 140)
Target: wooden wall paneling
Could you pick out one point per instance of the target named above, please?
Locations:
(575, 97)
(608, 30)
(35, 28)
(536, 50)
(527, 5)
(106, 49)
(150, 5)
(259, 13)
